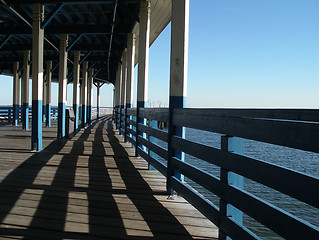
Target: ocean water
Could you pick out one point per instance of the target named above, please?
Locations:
(305, 162)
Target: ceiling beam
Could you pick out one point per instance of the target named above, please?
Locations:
(69, 29)
(70, 1)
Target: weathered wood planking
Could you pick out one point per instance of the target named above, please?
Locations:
(90, 187)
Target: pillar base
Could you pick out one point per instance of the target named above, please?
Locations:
(36, 134)
(61, 120)
(25, 116)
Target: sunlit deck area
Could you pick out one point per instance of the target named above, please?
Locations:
(88, 187)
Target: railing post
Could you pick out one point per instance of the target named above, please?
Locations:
(233, 145)
(152, 124)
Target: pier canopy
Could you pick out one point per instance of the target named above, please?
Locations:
(98, 29)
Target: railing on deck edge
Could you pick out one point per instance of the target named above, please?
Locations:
(6, 113)
(291, 128)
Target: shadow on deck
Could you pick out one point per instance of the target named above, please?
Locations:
(90, 187)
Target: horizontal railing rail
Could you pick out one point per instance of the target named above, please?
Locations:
(293, 128)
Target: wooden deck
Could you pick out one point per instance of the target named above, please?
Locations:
(90, 187)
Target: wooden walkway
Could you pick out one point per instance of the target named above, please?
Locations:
(90, 187)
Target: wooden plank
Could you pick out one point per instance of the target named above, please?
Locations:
(158, 165)
(154, 132)
(90, 187)
(299, 135)
(310, 115)
(287, 181)
(153, 147)
(159, 114)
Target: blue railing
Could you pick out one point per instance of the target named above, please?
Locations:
(6, 113)
(297, 129)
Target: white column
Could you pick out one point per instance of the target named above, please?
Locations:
(76, 85)
(37, 76)
(178, 75)
(48, 98)
(90, 96)
(16, 93)
(63, 81)
(130, 69)
(25, 90)
(143, 56)
(84, 92)
(123, 81)
(98, 100)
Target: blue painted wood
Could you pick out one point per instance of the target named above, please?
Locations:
(76, 117)
(277, 177)
(140, 104)
(52, 15)
(15, 115)
(152, 124)
(48, 116)
(61, 120)
(44, 110)
(83, 118)
(234, 145)
(25, 116)
(174, 130)
(228, 188)
(36, 133)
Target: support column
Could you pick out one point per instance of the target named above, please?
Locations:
(123, 91)
(25, 89)
(98, 100)
(48, 98)
(129, 77)
(16, 94)
(62, 85)
(143, 61)
(37, 77)
(90, 97)
(44, 107)
(84, 92)
(118, 96)
(234, 145)
(178, 77)
(76, 85)
(143, 58)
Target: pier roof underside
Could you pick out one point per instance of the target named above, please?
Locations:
(99, 29)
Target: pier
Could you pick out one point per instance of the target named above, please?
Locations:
(89, 187)
(70, 172)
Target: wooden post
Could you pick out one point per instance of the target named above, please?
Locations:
(90, 96)
(62, 85)
(48, 99)
(123, 92)
(16, 94)
(37, 77)
(76, 85)
(130, 77)
(25, 89)
(178, 78)
(143, 62)
(234, 145)
(84, 93)
(152, 124)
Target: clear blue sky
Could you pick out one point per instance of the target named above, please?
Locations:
(243, 53)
